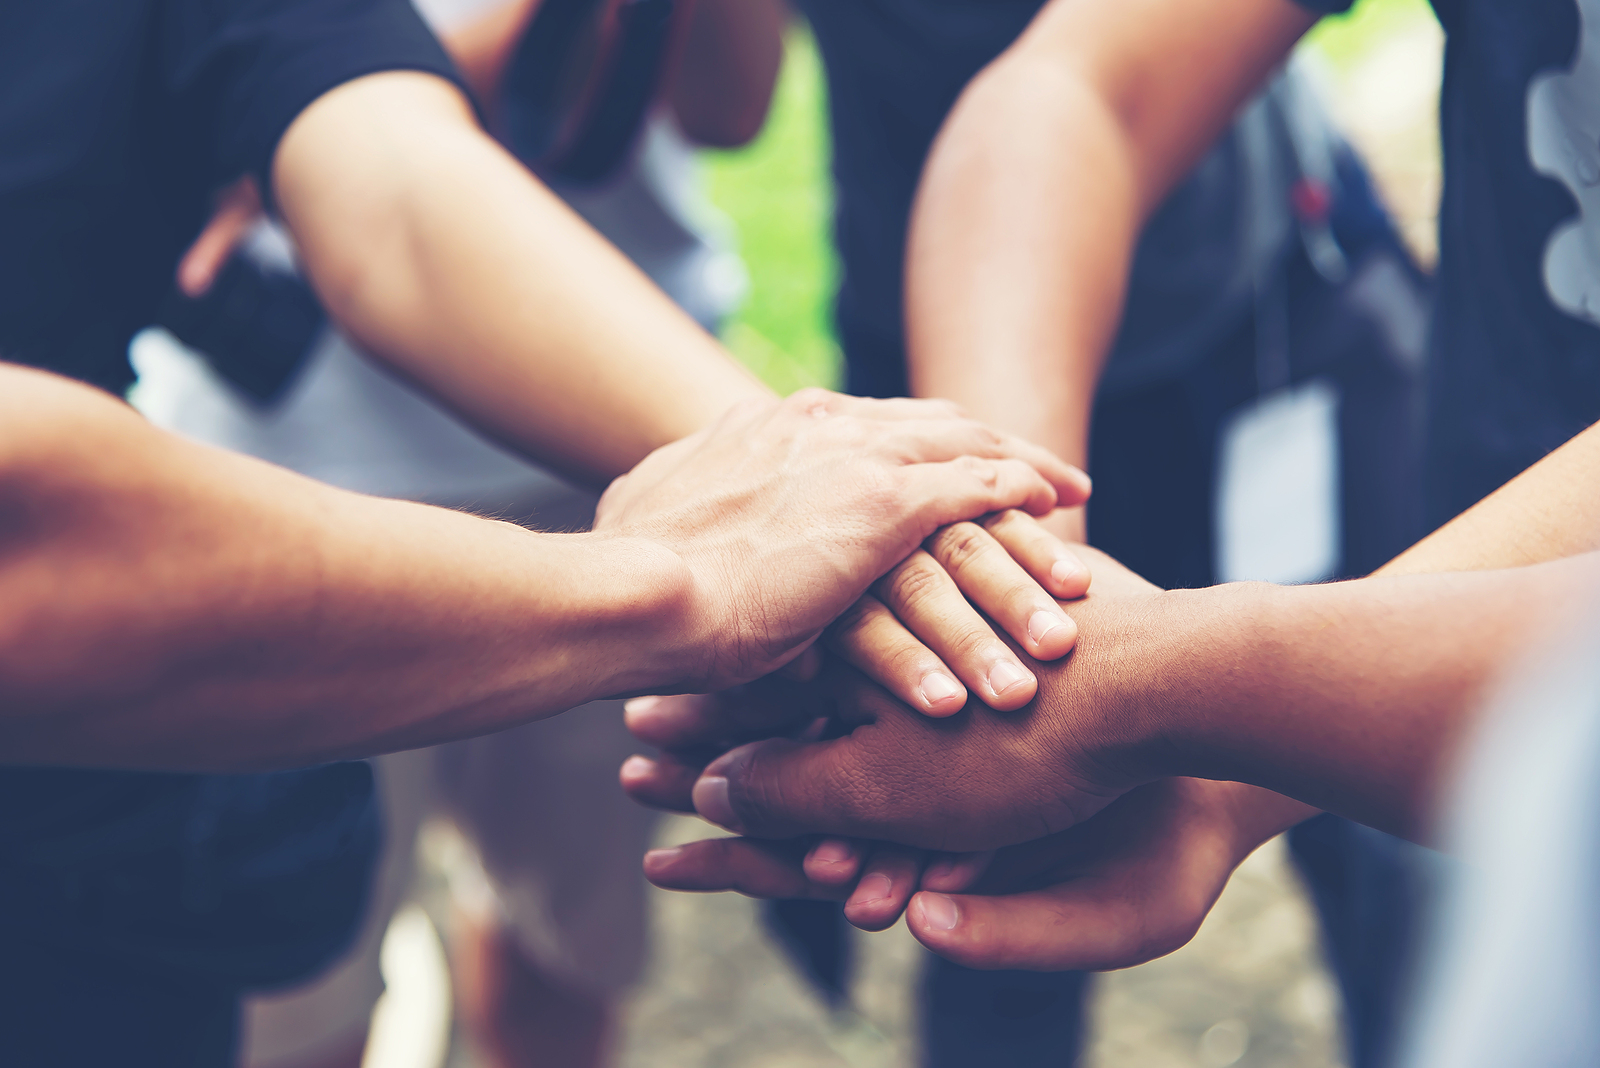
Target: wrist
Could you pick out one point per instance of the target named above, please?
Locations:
(1204, 675)
(642, 612)
(1173, 673)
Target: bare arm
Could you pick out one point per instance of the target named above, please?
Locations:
(1036, 190)
(168, 605)
(440, 254)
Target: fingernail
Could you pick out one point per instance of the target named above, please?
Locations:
(1006, 674)
(1041, 624)
(711, 801)
(641, 705)
(939, 913)
(637, 767)
(874, 887)
(833, 851)
(662, 856)
(938, 687)
(1065, 570)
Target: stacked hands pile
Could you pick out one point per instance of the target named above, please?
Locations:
(1017, 824)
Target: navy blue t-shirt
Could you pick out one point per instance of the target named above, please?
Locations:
(119, 118)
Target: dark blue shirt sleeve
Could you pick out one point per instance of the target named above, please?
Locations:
(242, 70)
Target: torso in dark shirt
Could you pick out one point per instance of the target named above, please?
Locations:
(117, 120)
(1516, 349)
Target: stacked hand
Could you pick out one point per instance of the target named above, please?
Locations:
(1099, 863)
(784, 514)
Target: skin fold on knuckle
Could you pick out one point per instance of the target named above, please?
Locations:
(916, 587)
(961, 546)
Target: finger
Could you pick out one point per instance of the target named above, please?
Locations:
(982, 569)
(887, 883)
(1070, 927)
(892, 408)
(781, 789)
(969, 486)
(940, 440)
(924, 596)
(869, 637)
(755, 869)
(1050, 561)
(835, 862)
(952, 873)
(665, 783)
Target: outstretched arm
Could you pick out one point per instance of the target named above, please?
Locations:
(168, 605)
(1040, 182)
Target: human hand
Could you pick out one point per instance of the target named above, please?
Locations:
(925, 614)
(1132, 884)
(975, 781)
(784, 514)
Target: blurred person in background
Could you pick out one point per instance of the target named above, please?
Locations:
(553, 924)
(177, 610)
(1269, 266)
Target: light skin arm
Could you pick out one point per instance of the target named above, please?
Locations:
(1035, 193)
(168, 605)
(502, 303)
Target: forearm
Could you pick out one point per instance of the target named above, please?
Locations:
(166, 605)
(1353, 696)
(1550, 511)
(443, 256)
(1038, 186)
(1013, 291)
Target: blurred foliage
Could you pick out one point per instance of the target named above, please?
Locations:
(1344, 39)
(778, 193)
(779, 196)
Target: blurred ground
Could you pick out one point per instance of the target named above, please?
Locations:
(1251, 989)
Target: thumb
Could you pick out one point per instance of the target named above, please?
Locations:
(1082, 925)
(779, 788)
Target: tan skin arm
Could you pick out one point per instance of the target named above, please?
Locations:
(168, 605)
(1034, 195)
(504, 305)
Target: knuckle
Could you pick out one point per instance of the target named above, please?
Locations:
(914, 584)
(1008, 523)
(812, 400)
(986, 472)
(960, 545)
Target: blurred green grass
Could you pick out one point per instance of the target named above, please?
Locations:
(778, 193)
